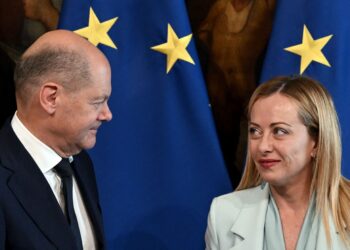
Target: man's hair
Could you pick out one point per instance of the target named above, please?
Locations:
(63, 66)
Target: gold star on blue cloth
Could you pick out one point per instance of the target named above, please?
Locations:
(310, 50)
(97, 32)
(175, 48)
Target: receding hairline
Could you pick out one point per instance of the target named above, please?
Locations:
(57, 48)
(64, 39)
(63, 65)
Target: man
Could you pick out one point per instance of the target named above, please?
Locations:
(7, 87)
(62, 86)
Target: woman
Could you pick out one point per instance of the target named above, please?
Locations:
(292, 194)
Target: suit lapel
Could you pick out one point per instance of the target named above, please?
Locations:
(249, 226)
(85, 178)
(32, 191)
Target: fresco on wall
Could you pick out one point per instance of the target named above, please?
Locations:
(21, 23)
(231, 36)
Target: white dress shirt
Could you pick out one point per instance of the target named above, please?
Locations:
(46, 159)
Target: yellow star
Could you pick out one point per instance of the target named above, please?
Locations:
(310, 50)
(96, 32)
(175, 48)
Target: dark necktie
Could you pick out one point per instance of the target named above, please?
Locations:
(65, 171)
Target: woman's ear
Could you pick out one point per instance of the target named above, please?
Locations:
(314, 148)
(48, 97)
(313, 152)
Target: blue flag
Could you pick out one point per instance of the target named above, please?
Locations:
(158, 162)
(312, 37)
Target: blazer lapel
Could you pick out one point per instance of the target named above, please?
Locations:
(249, 226)
(32, 191)
(87, 186)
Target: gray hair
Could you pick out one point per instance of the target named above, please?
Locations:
(66, 67)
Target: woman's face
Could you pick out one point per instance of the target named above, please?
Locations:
(279, 142)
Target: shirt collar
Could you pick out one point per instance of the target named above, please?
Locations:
(44, 156)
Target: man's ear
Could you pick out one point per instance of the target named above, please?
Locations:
(48, 97)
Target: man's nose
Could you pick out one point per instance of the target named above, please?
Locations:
(106, 114)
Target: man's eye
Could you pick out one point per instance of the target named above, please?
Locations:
(97, 104)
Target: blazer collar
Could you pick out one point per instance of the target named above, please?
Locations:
(249, 225)
(26, 178)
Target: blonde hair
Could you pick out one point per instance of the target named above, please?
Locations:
(317, 112)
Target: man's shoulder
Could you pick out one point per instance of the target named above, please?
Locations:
(8, 141)
(5, 128)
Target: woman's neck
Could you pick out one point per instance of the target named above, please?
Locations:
(293, 197)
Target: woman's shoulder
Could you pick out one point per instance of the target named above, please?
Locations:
(238, 199)
(226, 209)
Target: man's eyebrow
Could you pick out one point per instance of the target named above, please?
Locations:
(103, 97)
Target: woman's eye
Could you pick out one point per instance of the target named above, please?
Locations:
(254, 132)
(280, 131)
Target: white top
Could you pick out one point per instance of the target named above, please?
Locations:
(46, 159)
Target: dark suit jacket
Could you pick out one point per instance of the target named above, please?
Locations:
(30, 216)
(7, 87)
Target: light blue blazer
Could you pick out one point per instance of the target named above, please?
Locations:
(236, 222)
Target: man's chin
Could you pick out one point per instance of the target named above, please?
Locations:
(89, 144)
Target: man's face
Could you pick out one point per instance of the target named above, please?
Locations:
(82, 112)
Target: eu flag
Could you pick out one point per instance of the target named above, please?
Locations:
(158, 162)
(312, 37)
